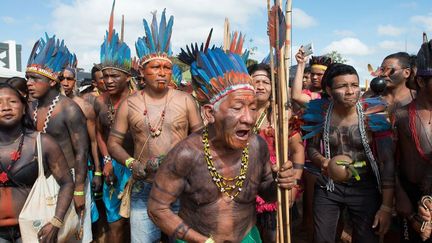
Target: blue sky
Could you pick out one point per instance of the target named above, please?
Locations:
(363, 31)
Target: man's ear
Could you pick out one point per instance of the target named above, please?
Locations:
(407, 72)
(209, 113)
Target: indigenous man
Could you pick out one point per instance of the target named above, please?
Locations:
(116, 64)
(345, 128)
(158, 118)
(97, 84)
(68, 83)
(414, 130)
(217, 172)
(59, 116)
(397, 69)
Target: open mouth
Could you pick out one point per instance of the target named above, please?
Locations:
(242, 134)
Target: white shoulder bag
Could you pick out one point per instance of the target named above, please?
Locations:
(40, 206)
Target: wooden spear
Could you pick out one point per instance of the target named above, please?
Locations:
(285, 100)
(280, 231)
(280, 108)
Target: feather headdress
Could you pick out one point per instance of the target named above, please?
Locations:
(49, 57)
(424, 58)
(114, 53)
(215, 73)
(156, 44)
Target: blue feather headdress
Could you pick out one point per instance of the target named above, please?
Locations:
(156, 44)
(216, 73)
(49, 57)
(114, 52)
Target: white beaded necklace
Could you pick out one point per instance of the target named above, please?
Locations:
(48, 116)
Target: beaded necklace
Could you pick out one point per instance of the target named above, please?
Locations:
(14, 156)
(48, 116)
(111, 111)
(155, 130)
(230, 186)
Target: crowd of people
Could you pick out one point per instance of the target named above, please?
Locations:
(141, 155)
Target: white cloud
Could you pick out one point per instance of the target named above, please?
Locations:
(389, 30)
(348, 46)
(344, 33)
(391, 45)
(83, 23)
(7, 19)
(409, 5)
(302, 20)
(425, 21)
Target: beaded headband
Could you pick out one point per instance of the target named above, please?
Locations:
(322, 67)
(156, 44)
(49, 57)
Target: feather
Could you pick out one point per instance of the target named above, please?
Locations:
(312, 134)
(233, 43)
(204, 63)
(167, 37)
(111, 23)
(271, 26)
(155, 32)
(239, 47)
(162, 28)
(208, 40)
(149, 37)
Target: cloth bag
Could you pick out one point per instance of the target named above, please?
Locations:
(39, 207)
(126, 199)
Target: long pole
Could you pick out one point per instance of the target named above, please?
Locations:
(280, 231)
(285, 100)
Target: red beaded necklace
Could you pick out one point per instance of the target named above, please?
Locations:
(155, 130)
(14, 156)
(412, 113)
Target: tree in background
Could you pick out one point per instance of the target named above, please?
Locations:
(336, 57)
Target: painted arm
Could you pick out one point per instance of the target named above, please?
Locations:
(313, 150)
(297, 152)
(75, 121)
(91, 128)
(57, 165)
(117, 134)
(168, 185)
(385, 148)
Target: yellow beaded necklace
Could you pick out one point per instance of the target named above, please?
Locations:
(230, 186)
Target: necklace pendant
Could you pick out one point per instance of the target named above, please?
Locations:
(15, 155)
(4, 177)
